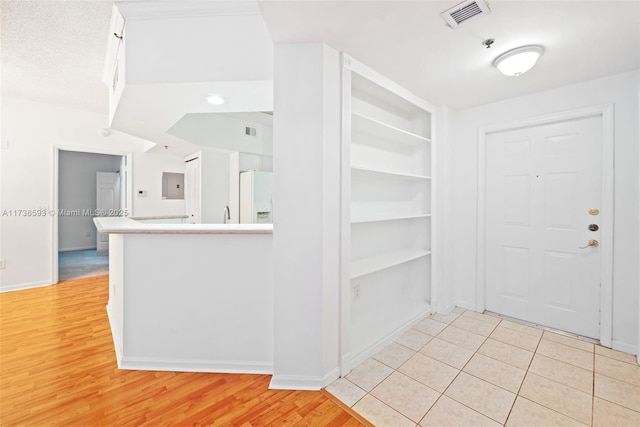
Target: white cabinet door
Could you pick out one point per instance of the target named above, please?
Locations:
(540, 185)
(107, 203)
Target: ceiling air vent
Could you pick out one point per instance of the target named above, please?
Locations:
(465, 11)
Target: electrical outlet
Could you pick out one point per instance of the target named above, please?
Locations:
(3, 263)
(356, 292)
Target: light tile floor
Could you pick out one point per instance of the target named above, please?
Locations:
(469, 369)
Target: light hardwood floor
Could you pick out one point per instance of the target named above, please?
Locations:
(58, 367)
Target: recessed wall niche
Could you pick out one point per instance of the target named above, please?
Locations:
(172, 185)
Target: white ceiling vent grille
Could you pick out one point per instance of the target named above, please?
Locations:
(465, 11)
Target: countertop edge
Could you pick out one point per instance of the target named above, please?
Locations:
(124, 225)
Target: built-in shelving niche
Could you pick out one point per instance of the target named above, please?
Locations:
(388, 156)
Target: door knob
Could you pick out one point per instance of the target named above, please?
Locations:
(593, 227)
(592, 242)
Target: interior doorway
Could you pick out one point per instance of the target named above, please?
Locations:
(76, 203)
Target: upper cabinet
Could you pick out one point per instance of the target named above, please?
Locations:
(113, 73)
(387, 206)
(166, 75)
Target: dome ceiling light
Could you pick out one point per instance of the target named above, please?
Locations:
(518, 61)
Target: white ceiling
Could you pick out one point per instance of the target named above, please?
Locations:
(53, 50)
(408, 42)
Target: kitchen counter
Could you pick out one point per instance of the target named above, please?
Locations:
(190, 297)
(124, 225)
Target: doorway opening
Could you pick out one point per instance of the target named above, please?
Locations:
(87, 184)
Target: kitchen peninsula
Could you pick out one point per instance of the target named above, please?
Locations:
(190, 297)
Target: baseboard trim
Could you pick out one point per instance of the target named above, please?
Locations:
(387, 339)
(624, 347)
(79, 248)
(23, 286)
(445, 310)
(466, 305)
(301, 382)
(195, 365)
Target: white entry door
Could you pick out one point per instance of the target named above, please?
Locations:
(541, 183)
(107, 203)
(192, 190)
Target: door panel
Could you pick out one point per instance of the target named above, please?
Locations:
(192, 191)
(540, 183)
(107, 202)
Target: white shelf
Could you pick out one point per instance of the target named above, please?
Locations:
(371, 265)
(388, 218)
(389, 173)
(374, 127)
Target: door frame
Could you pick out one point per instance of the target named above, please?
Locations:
(605, 112)
(55, 192)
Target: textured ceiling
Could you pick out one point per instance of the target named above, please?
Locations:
(53, 51)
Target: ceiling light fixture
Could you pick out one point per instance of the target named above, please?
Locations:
(518, 61)
(215, 100)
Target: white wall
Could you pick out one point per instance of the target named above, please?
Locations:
(188, 302)
(306, 196)
(147, 177)
(224, 132)
(214, 187)
(31, 131)
(249, 57)
(443, 296)
(461, 186)
(77, 191)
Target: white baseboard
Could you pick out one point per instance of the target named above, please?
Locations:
(195, 365)
(299, 382)
(624, 347)
(387, 339)
(79, 248)
(23, 286)
(466, 305)
(446, 309)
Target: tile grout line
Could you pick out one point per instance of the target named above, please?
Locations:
(457, 375)
(517, 394)
(557, 382)
(368, 393)
(526, 372)
(454, 378)
(593, 388)
(461, 370)
(396, 370)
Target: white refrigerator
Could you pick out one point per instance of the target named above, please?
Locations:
(255, 197)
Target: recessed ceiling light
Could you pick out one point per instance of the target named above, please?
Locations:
(215, 99)
(518, 61)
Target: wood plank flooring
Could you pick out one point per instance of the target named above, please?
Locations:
(58, 368)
